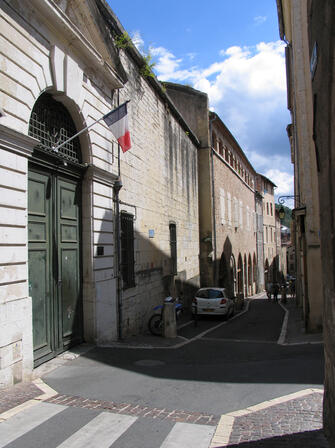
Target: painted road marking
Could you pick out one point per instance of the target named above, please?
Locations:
(27, 420)
(100, 432)
(188, 435)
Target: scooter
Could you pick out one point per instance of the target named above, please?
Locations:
(156, 322)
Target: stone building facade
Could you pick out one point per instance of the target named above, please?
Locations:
(321, 36)
(234, 212)
(90, 239)
(227, 203)
(294, 30)
(271, 260)
(309, 30)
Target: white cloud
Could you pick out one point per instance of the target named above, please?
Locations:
(283, 180)
(137, 40)
(247, 89)
(259, 20)
(167, 64)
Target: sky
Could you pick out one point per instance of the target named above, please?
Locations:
(231, 50)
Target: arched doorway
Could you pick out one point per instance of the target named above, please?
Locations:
(255, 273)
(54, 231)
(223, 272)
(240, 275)
(250, 291)
(233, 275)
(266, 273)
(245, 276)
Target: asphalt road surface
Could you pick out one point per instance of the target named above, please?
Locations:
(222, 367)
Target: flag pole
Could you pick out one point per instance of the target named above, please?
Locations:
(56, 148)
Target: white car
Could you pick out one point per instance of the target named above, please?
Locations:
(213, 301)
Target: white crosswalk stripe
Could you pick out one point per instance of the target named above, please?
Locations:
(27, 420)
(187, 435)
(100, 432)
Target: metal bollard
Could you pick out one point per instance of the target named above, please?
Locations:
(169, 321)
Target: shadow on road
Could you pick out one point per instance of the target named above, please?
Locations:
(298, 440)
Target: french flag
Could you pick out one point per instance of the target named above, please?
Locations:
(117, 121)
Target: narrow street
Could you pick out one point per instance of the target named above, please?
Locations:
(179, 395)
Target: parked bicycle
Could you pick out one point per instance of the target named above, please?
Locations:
(156, 321)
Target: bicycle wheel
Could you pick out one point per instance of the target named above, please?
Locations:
(155, 325)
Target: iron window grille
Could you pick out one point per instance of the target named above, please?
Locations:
(127, 250)
(173, 248)
(51, 124)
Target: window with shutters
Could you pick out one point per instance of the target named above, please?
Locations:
(127, 250)
(173, 248)
(236, 212)
(222, 206)
(241, 214)
(229, 208)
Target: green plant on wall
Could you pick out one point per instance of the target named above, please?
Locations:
(123, 40)
(146, 69)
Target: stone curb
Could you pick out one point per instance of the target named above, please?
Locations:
(48, 393)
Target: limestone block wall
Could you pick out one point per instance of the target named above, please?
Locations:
(160, 186)
(46, 51)
(15, 304)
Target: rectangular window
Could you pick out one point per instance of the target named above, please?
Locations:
(173, 248)
(229, 208)
(236, 213)
(222, 206)
(127, 250)
(241, 215)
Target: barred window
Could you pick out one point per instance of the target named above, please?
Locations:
(51, 124)
(173, 248)
(127, 250)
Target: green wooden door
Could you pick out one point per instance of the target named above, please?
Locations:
(54, 262)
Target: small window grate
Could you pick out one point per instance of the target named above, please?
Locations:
(51, 124)
(127, 250)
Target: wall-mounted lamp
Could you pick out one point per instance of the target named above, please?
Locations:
(281, 200)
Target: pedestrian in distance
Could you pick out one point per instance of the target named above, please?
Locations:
(283, 293)
(275, 292)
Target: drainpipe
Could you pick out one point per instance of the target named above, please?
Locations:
(117, 187)
(213, 197)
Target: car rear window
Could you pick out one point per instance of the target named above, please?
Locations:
(202, 294)
(209, 294)
(214, 294)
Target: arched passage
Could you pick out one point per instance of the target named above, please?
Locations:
(250, 279)
(255, 272)
(266, 272)
(54, 230)
(240, 275)
(233, 275)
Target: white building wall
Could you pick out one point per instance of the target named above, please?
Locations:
(159, 175)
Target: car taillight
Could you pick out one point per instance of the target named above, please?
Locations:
(223, 301)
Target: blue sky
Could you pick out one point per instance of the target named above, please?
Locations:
(231, 50)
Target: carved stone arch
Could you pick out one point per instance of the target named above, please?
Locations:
(56, 193)
(240, 275)
(250, 276)
(232, 268)
(254, 269)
